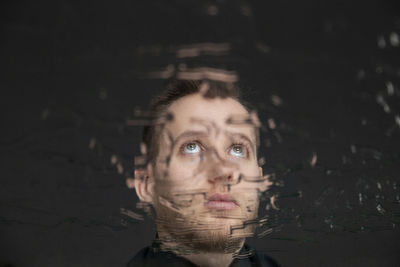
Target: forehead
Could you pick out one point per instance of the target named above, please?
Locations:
(195, 112)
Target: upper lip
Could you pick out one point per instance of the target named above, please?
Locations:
(222, 198)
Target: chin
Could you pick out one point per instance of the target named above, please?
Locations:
(206, 231)
(213, 240)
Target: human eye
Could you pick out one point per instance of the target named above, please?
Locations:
(191, 148)
(238, 150)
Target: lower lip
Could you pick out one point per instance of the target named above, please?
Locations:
(221, 205)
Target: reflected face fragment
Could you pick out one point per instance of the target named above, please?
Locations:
(203, 170)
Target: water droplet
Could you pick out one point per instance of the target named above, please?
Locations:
(120, 168)
(113, 160)
(271, 123)
(394, 39)
(212, 10)
(361, 75)
(380, 209)
(381, 101)
(381, 42)
(397, 119)
(246, 10)
(92, 143)
(276, 100)
(378, 184)
(300, 193)
(130, 183)
(390, 88)
(313, 160)
(363, 121)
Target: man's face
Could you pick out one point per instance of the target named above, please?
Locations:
(206, 176)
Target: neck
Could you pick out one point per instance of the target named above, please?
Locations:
(207, 259)
(203, 256)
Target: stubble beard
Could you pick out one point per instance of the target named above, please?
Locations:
(198, 230)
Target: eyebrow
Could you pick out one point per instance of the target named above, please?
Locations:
(189, 134)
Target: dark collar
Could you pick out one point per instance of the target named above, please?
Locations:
(154, 256)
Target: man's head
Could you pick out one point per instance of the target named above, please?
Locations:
(202, 177)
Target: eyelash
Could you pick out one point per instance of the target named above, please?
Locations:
(246, 147)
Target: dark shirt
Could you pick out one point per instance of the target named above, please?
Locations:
(153, 256)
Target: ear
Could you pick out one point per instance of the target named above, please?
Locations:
(144, 184)
(266, 183)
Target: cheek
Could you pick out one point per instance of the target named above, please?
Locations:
(250, 169)
(183, 168)
(180, 172)
(181, 177)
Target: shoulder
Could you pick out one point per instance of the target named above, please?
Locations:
(266, 260)
(260, 258)
(140, 258)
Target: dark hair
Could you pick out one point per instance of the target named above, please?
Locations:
(174, 90)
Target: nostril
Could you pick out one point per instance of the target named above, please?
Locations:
(221, 178)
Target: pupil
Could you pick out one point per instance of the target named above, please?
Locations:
(237, 149)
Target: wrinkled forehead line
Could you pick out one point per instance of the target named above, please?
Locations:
(198, 97)
(196, 111)
(197, 107)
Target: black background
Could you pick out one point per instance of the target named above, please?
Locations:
(75, 71)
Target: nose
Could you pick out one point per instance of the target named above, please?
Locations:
(218, 169)
(221, 177)
(223, 173)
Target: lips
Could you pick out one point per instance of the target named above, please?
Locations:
(221, 202)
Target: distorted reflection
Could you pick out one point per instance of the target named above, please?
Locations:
(201, 175)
